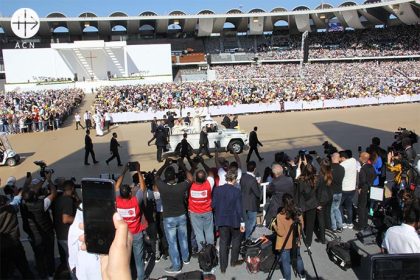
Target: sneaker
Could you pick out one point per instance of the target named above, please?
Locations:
(344, 225)
(350, 226)
(158, 258)
(172, 270)
(186, 262)
(339, 230)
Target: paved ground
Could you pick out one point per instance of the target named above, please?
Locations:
(63, 150)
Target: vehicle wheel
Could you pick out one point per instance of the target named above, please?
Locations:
(236, 146)
(11, 162)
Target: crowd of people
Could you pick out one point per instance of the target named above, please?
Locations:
(267, 83)
(391, 41)
(179, 209)
(30, 111)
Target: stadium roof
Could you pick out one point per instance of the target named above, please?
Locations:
(254, 22)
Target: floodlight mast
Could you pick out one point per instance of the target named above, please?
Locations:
(304, 42)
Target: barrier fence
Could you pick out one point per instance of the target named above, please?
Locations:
(267, 107)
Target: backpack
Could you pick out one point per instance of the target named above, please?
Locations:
(207, 257)
(258, 255)
(343, 254)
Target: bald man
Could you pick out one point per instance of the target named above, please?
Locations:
(366, 177)
(280, 185)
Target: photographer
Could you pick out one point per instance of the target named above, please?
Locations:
(128, 206)
(12, 253)
(37, 223)
(409, 153)
(285, 219)
(324, 197)
(172, 193)
(306, 181)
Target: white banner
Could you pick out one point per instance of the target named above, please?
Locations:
(266, 107)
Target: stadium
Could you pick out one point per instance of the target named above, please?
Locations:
(316, 83)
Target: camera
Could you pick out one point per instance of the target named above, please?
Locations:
(329, 148)
(44, 170)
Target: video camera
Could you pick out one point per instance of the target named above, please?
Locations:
(44, 170)
(399, 135)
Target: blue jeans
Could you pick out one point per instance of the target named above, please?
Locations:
(286, 265)
(250, 222)
(347, 203)
(138, 251)
(203, 228)
(177, 226)
(336, 218)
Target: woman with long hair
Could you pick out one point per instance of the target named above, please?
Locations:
(285, 219)
(306, 194)
(324, 196)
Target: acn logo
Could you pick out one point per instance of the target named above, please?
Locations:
(25, 23)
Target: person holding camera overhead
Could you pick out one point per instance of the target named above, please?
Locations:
(285, 219)
(37, 222)
(306, 179)
(128, 207)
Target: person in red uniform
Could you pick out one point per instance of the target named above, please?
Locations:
(200, 210)
(129, 209)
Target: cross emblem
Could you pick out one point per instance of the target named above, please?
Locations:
(25, 23)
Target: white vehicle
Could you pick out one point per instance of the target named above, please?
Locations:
(8, 156)
(232, 140)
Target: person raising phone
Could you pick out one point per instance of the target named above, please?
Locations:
(129, 209)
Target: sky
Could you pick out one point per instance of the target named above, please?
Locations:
(73, 8)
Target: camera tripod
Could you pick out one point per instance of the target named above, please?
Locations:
(295, 227)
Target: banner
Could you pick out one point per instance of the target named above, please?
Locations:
(265, 107)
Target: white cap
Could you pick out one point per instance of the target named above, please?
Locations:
(11, 181)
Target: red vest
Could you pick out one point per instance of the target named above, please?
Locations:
(199, 200)
(130, 211)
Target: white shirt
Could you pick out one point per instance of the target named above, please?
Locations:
(350, 174)
(87, 265)
(222, 176)
(77, 117)
(86, 116)
(401, 239)
(107, 116)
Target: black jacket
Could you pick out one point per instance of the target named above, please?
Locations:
(203, 138)
(306, 196)
(114, 145)
(338, 175)
(253, 139)
(324, 193)
(226, 122)
(160, 137)
(233, 124)
(88, 142)
(153, 126)
(366, 177)
(251, 193)
(276, 189)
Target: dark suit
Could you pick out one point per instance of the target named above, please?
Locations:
(114, 150)
(251, 195)
(276, 189)
(160, 142)
(367, 175)
(89, 149)
(253, 145)
(226, 122)
(204, 143)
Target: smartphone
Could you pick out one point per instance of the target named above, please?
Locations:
(98, 196)
(132, 166)
(312, 152)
